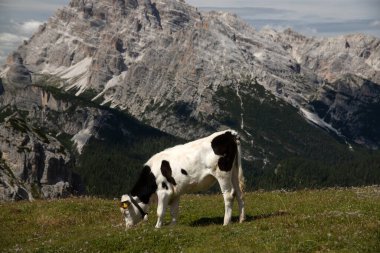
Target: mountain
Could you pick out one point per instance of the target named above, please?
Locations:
(295, 100)
(54, 144)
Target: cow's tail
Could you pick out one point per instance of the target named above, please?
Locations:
(239, 167)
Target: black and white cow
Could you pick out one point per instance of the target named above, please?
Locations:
(191, 167)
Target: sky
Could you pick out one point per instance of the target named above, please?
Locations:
(19, 19)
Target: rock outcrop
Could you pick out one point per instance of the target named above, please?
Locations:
(11, 188)
(351, 104)
(36, 160)
(17, 75)
(35, 163)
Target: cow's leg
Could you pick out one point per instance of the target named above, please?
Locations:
(174, 210)
(162, 204)
(240, 197)
(240, 200)
(224, 179)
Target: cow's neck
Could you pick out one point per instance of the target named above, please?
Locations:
(138, 204)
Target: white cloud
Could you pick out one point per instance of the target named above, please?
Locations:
(309, 30)
(9, 38)
(33, 5)
(19, 19)
(9, 42)
(26, 28)
(327, 9)
(375, 23)
(311, 17)
(279, 28)
(306, 30)
(30, 26)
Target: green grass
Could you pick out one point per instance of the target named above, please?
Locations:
(335, 220)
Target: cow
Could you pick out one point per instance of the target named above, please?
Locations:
(191, 167)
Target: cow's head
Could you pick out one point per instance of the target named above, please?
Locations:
(131, 213)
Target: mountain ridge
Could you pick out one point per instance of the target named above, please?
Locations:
(125, 45)
(175, 68)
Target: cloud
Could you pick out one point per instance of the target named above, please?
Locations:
(255, 12)
(32, 5)
(312, 17)
(30, 26)
(26, 28)
(335, 9)
(9, 38)
(22, 31)
(279, 28)
(20, 19)
(9, 42)
(310, 31)
(375, 23)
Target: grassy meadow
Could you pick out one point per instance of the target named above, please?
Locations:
(328, 220)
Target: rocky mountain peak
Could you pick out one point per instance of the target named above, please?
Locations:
(14, 58)
(16, 74)
(144, 56)
(333, 57)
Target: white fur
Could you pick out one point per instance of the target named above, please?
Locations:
(201, 164)
(132, 215)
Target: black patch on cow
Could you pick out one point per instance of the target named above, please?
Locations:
(184, 172)
(165, 186)
(225, 146)
(166, 171)
(145, 186)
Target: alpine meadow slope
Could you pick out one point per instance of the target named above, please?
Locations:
(337, 220)
(103, 85)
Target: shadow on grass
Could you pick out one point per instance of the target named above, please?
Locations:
(206, 221)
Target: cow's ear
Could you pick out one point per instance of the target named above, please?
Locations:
(125, 204)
